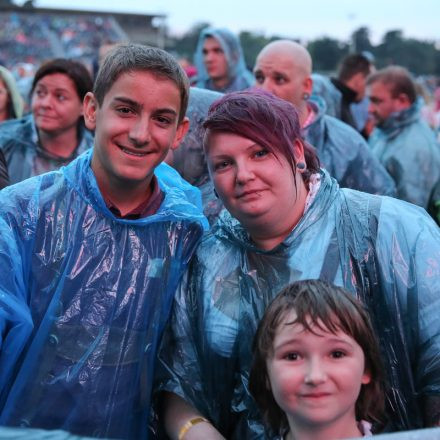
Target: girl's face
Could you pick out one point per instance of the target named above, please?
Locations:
(254, 185)
(316, 378)
(56, 105)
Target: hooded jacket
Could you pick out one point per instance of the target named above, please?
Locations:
(407, 148)
(84, 297)
(24, 154)
(345, 155)
(385, 251)
(4, 178)
(239, 76)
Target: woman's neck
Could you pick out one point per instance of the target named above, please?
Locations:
(61, 144)
(4, 115)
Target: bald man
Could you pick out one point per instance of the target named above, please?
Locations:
(284, 68)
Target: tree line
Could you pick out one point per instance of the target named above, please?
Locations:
(419, 56)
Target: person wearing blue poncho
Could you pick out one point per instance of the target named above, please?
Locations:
(54, 133)
(402, 141)
(220, 63)
(91, 256)
(288, 220)
(284, 68)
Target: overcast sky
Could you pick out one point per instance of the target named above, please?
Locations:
(290, 18)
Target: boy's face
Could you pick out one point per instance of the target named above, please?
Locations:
(135, 127)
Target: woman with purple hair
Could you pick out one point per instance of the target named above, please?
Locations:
(288, 220)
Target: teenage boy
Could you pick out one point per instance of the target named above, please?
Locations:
(91, 255)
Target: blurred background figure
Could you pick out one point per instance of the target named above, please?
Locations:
(11, 103)
(54, 133)
(284, 68)
(220, 63)
(190, 70)
(402, 141)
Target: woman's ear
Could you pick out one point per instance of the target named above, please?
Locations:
(366, 377)
(90, 107)
(298, 151)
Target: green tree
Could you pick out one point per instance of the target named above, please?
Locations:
(185, 46)
(360, 40)
(326, 53)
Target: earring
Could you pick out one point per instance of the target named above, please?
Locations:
(301, 166)
(306, 96)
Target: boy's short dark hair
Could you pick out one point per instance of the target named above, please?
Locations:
(316, 302)
(136, 57)
(75, 70)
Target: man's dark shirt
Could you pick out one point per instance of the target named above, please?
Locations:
(4, 178)
(348, 97)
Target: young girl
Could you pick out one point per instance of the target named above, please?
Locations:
(317, 372)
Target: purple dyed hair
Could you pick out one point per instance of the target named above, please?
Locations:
(263, 118)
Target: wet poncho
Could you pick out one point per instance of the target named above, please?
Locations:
(189, 159)
(345, 155)
(239, 77)
(24, 154)
(84, 297)
(383, 250)
(407, 148)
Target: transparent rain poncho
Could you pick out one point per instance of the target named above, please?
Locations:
(407, 148)
(84, 297)
(24, 154)
(324, 88)
(383, 250)
(344, 153)
(239, 77)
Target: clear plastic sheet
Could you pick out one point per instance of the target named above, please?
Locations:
(344, 153)
(84, 298)
(239, 77)
(383, 250)
(324, 88)
(407, 148)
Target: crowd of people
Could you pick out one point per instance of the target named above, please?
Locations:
(255, 256)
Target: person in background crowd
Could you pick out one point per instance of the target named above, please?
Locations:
(288, 220)
(220, 63)
(91, 256)
(284, 68)
(54, 133)
(189, 159)
(11, 103)
(351, 82)
(4, 177)
(402, 141)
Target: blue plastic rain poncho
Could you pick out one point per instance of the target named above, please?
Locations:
(24, 154)
(406, 147)
(84, 297)
(239, 77)
(324, 88)
(385, 251)
(345, 154)
(189, 159)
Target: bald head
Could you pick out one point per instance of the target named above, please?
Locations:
(284, 68)
(297, 54)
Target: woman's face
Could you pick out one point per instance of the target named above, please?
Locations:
(4, 97)
(56, 105)
(254, 185)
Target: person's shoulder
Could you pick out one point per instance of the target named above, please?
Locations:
(342, 134)
(15, 129)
